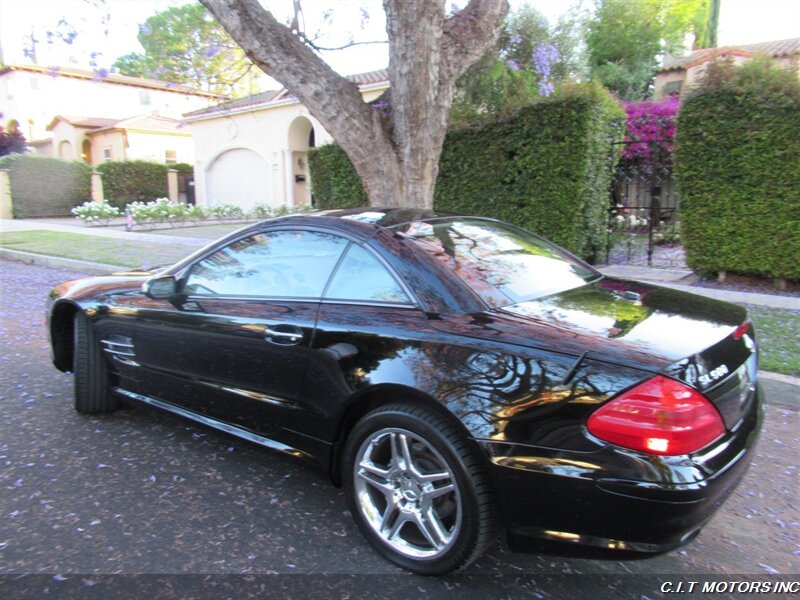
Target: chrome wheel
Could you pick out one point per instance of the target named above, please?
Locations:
(407, 493)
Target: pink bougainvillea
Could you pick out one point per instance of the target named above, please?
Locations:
(650, 132)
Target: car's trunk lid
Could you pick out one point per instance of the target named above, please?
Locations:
(653, 328)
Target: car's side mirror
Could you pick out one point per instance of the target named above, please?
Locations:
(160, 288)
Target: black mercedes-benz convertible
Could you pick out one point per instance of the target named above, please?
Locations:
(458, 376)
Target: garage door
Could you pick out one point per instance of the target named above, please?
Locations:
(239, 177)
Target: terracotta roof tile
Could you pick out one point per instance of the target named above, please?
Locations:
(87, 122)
(776, 48)
(154, 84)
(152, 123)
(361, 79)
(252, 100)
(370, 77)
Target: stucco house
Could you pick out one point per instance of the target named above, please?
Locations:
(36, 96)
(679, 73)
(148, 137)
(253, 150)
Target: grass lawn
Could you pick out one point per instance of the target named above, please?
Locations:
(778, 335)
(93, 248)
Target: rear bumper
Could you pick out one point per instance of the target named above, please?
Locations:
(617, 499)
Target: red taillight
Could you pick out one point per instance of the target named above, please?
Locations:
(659, 416)
(741, 330)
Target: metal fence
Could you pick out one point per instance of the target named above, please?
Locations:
(643, 218)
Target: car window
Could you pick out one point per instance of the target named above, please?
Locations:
(503, 264)
(361, 276)
(288, 264)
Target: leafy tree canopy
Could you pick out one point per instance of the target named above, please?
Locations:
(530, 58)
(527, 29)
(11, 139)
(626, 38)
(185, 44)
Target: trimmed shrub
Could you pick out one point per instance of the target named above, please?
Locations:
(334, 181)
(42, 186)
(127, 181)
(182, 168)
(547, 169)
(738, 169)
(96, 213)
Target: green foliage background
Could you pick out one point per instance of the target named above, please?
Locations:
(625, 37)
(126, 181)
(183, 168)
(547, 169)
(334, 181)
(46, 187)
(738, 169)
(185, 44)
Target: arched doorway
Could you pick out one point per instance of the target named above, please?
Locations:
(87, 151)
(301, 138)
(238, 176)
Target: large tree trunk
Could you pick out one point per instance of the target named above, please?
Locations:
(393, 144)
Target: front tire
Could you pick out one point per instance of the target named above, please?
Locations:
(418, 490)
(92, 391)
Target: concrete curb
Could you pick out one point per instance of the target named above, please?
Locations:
(678, 279)
(785, 302)
(647, 274)
(779, 377)
(56, 262)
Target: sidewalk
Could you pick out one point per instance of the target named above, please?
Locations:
(679, 279)
(8, 225)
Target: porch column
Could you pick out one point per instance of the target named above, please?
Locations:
(6, 207)
(97, 187)
(289, 171)
(172, 185)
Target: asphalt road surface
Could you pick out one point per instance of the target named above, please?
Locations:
(143, 492)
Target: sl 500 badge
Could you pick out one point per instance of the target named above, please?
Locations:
(715, 375)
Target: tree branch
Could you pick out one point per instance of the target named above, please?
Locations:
(350, 44)
(335, 101)
(395, 142)
(427, 53)
(237, 78)
(281, 54)
(471, 32)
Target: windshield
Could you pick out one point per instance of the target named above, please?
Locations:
(503, 264)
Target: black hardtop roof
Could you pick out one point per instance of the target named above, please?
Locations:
(362, 221)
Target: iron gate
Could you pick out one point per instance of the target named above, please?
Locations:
(643, 218)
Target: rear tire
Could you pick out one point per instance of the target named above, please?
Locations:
(92, 391)
(418, 490)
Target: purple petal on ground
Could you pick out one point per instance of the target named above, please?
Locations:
(769, 569)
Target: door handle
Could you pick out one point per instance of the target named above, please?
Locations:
(283, 338)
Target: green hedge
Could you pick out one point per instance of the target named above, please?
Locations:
(182, 168)
(738, 169)
(127, 181)
(547, 169)
(334, 181)
(46, 187)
